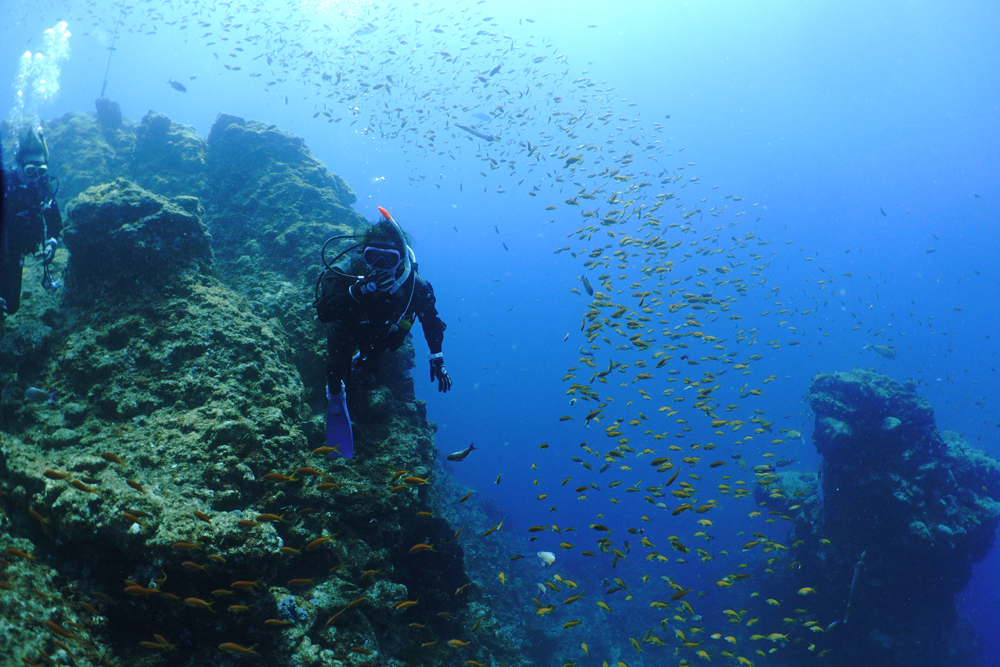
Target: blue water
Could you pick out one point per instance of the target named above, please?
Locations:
(817, 114)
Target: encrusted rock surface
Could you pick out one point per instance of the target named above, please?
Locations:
(183, 345)
(123, 240)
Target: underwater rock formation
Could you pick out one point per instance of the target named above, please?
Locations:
(271, 207)
(123, 239)
(87, 149)
(84, 152)
(109, 113)
(168, 158)
(180, 395)
(267, 181)
(915, 507)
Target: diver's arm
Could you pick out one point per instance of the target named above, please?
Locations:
(53, 220)
(423, 298)
(424, 306)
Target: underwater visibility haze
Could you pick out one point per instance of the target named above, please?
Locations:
(716, 281)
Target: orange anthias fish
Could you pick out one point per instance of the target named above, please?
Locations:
(59, 630)
(236, 649)
(278, 478)
(199, 604)
(404, 604)
(247, 585)
(318, 542)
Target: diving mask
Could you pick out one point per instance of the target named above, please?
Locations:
(32, 171)
(381, 258)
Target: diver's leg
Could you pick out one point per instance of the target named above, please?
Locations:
(340, 347)
(10, 286)
(338, 367)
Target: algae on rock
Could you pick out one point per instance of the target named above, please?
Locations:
(124, 240)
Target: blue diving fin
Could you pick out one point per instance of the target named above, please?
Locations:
(338, 424)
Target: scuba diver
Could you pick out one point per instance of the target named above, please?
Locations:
(369, 300)
(30, 218)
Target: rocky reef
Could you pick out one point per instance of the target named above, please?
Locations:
(166, 502)
(886, 534)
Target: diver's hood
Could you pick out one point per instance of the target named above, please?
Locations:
(32, 142)
(399, 240)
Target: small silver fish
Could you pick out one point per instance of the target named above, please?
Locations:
(459, 455)
(36, 395)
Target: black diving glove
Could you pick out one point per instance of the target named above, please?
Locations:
(440, 373)
(368, 285)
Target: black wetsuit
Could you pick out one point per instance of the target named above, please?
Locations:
(372, 323)
(30, 217)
